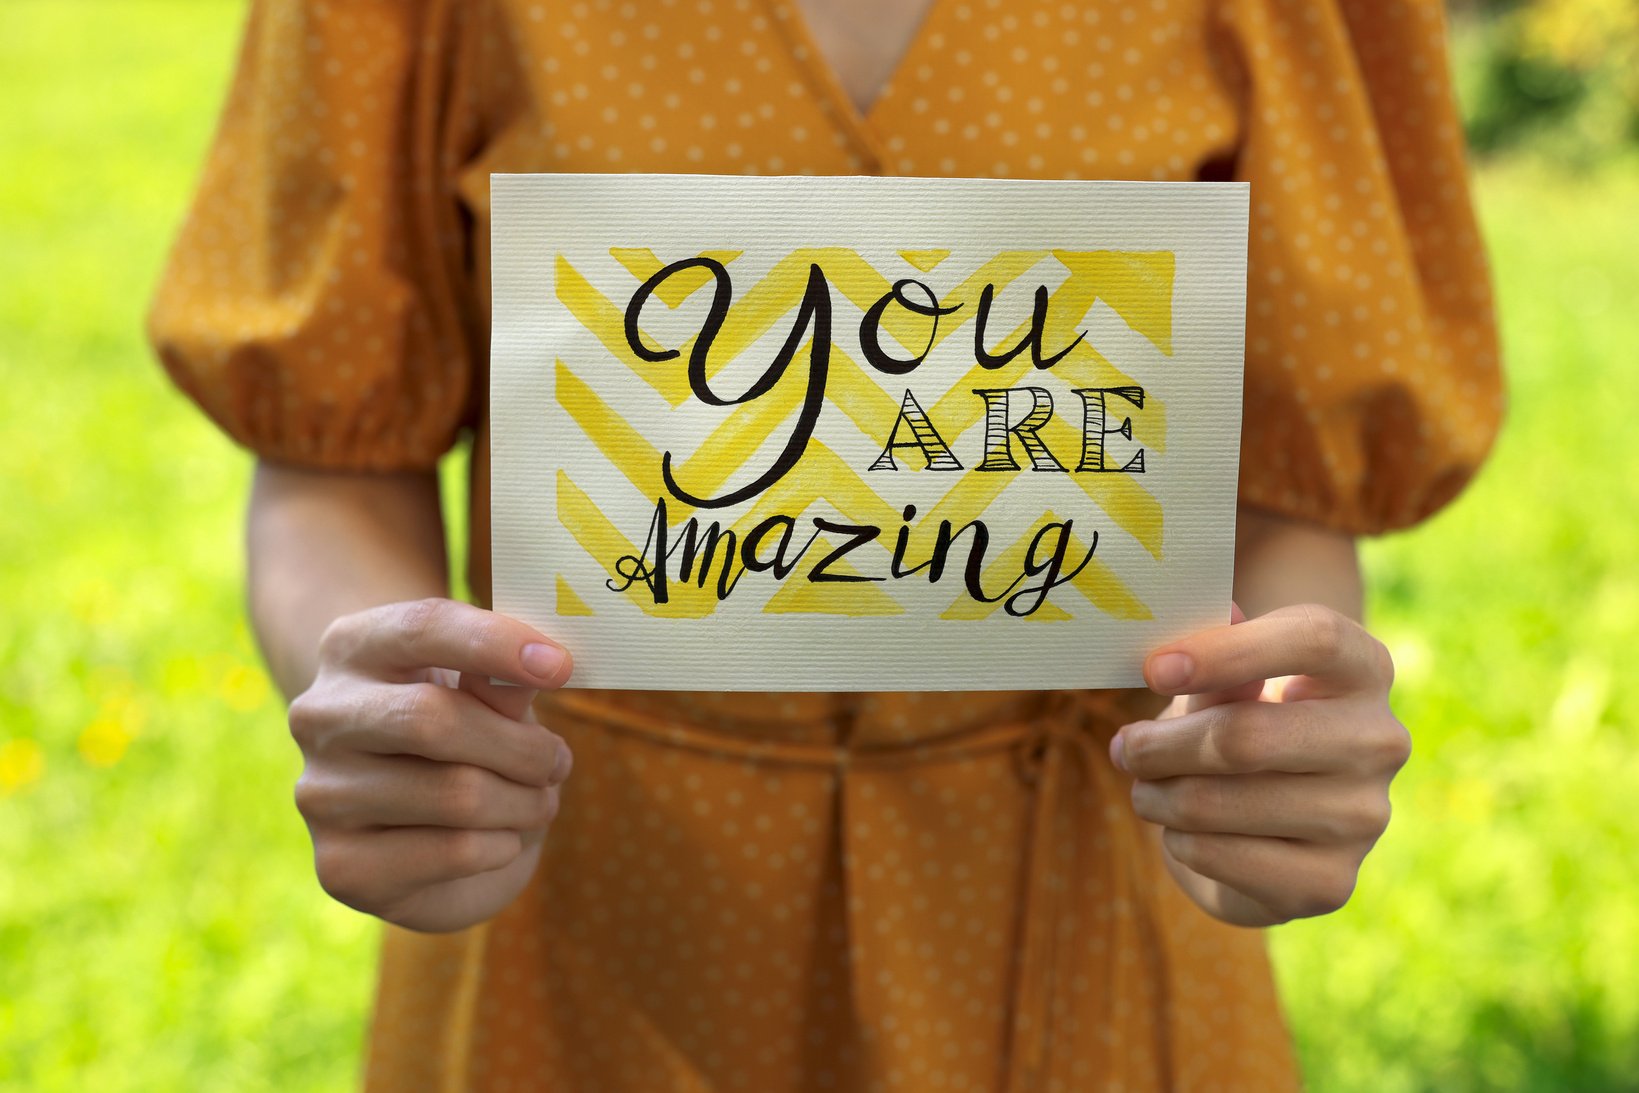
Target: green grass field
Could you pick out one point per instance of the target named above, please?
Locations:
(159, 924)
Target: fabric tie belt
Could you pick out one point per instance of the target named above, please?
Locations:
(1048, 746)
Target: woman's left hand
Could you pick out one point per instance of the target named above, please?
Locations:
(1269, 773)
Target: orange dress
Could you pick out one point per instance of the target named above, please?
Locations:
(788, 892)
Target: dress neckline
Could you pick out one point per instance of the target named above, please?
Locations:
(862, 126)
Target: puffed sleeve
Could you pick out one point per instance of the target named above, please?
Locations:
(1373, 389)
(316, 302)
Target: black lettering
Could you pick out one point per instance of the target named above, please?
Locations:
(924, 437)
(636, 568)
(973, 571)
(780, 564)
(902, 543)
(870, 340)
(814, 312)
(1053, 566)
(859, 535)
(1093, 431)
(1031, 341)
(701, 546)
(999, 434)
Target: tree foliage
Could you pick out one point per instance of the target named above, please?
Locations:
(1557, 76)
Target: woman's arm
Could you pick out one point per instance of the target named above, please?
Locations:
(427, 788)
(322, 545)
(1267, 778)
(1281, 562)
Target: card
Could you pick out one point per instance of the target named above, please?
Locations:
(863, 433)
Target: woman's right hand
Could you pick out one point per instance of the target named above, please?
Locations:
(427, 788)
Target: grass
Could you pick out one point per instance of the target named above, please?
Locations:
(159, 926)
(1494, 941)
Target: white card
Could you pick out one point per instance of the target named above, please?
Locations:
(862, 433)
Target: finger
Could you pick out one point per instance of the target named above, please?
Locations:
(505, 699)
(405, 638)
(1243, 737)
(1307, 640)
(372, 869)
(1291, 879)
(438, 723)
(1313, 807)
(1245, 692)
(406, 791)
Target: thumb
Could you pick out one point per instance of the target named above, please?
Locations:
(506, 699)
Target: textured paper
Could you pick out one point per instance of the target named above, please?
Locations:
(595, 426)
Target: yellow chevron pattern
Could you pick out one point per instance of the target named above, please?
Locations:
(1135, 286)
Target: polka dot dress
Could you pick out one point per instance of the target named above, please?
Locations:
(775, 893)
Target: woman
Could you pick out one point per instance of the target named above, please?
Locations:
(780, 892)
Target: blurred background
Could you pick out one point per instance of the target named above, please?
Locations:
(159, 924)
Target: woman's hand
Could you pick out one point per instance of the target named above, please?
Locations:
(427, 788)
(1269, 773)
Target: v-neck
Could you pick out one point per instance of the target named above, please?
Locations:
(860, 125)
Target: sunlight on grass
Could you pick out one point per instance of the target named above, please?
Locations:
(1494, 940)
(160, 927)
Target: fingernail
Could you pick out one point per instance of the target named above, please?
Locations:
(1118, 753)
(1172, 670)
(543, 661)
(560, 765)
